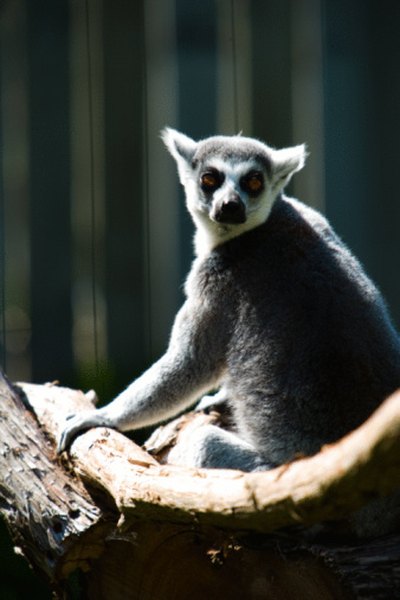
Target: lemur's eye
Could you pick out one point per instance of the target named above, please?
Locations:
(252, 183)
(210, 181)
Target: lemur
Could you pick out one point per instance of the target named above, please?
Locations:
(278, 313)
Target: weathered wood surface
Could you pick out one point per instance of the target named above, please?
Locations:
(342, 477)
(144, 531)
(53, 521)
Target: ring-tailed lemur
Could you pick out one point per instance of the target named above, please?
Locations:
(278, 312)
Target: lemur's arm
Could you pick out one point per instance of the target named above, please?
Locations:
(192, 365)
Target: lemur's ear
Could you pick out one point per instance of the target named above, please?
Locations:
(182, 149)
(286, 162)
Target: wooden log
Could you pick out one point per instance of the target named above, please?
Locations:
(327, 486)
(50, 516)
(179, 533)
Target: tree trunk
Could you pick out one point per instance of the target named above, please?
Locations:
(51, 517)
(138, 529)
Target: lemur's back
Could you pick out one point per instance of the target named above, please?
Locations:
(312, 349)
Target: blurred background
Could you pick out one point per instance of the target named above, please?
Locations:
(94, 238)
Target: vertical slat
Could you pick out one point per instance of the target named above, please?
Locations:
(234, 73)
(307, 98)
(271, 71)
(50, 190)
(161, 197)
(87, 191)
(123, 105)
(347, 84)
(362, 96)
(3, 336)
(197, 65)
(15, 234)
(383, 153)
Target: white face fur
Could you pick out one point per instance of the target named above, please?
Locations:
(230, 182)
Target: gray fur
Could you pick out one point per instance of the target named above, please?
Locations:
(278, 312)
(220, 147)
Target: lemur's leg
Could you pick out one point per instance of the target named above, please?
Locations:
(209, 446)
(211, 401)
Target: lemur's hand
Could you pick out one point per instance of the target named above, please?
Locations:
(77, 424)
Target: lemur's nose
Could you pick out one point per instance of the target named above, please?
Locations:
(232, 210)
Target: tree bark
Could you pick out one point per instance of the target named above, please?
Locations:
(50, 515)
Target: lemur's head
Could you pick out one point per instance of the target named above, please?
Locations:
(231, 182)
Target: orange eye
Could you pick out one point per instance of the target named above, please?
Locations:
(253, 183)
(210, 181)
